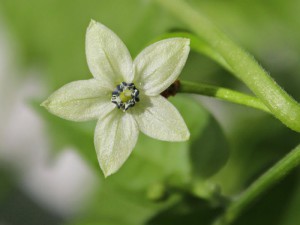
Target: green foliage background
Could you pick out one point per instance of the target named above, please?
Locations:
(220, 160)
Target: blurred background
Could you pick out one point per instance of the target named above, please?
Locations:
(49, 173)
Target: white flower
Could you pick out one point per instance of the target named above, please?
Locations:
(124, 95)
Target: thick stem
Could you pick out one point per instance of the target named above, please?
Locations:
(222, 93)
(284, 107)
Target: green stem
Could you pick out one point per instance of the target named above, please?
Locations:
(284, 107)
(222, 93)
(267, 180)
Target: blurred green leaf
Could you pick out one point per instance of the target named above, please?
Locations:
(254, 149)
(152, 162)
(190, 210)
(51, 33)
(115, 205)
(5, 184)
(210, 151)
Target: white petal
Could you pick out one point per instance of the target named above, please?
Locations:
(158, 118)
(159, 65)
(80, 101)
(107, 56)
(115, 138)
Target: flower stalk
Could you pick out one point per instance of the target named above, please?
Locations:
(222, 93)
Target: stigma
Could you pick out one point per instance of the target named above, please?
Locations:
(125, 96)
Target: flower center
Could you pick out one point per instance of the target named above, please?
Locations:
(125, 96)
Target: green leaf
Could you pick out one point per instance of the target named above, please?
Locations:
(5, 184)
(114, 206)
(51, 34)
(190, 211)
(154, 167)
(210, 151)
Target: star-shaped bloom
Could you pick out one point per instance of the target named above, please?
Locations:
(124, 95)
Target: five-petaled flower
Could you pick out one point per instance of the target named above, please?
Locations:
(124, 94)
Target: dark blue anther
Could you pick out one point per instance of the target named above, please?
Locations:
(121, 88)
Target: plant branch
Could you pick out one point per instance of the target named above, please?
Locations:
(262, 184)
(222, 93)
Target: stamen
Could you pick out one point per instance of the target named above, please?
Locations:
(125, 96)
